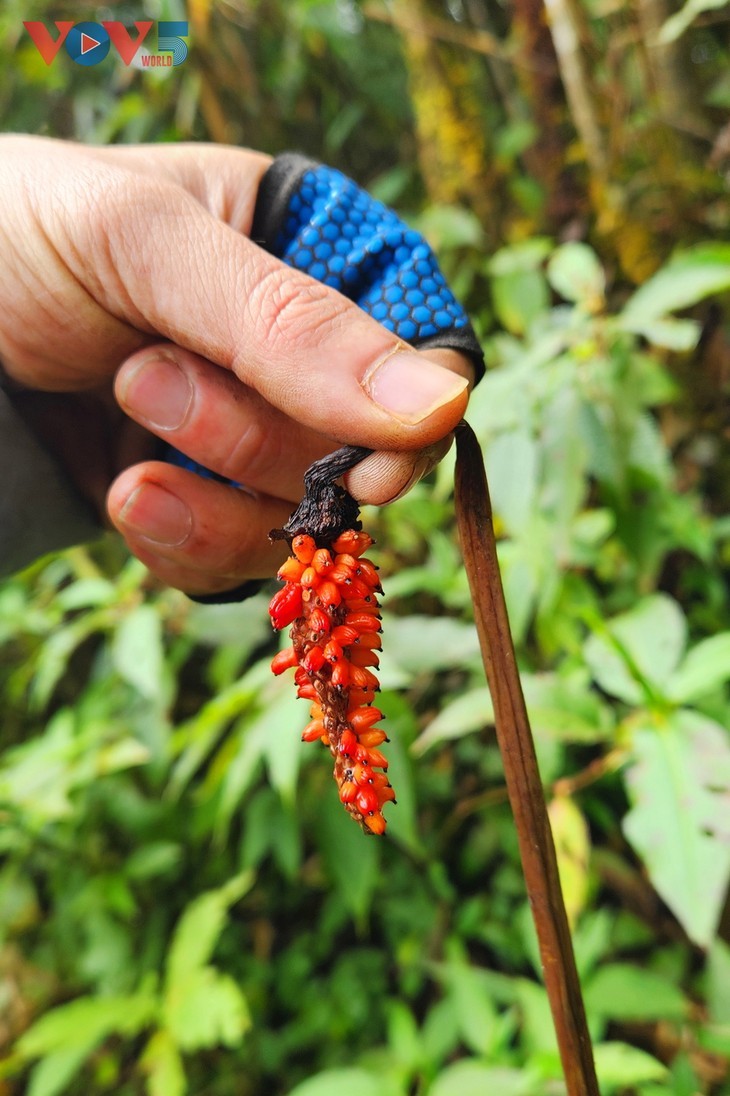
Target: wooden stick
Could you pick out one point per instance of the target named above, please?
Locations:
(524, 787)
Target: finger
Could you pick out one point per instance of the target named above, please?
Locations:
(149, 253)
(211, 536)
(224, 180)
(207, 413)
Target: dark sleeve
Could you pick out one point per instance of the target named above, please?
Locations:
(40, 511)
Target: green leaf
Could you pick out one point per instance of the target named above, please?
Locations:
(164, 1067)
(423, 645)
(573, 848)
(705, 668)
(450, 227)
(475, 1013)
(519, 289)
(575, 272)
(620, 991)
(203, 1008)
(200, 926)
(679, 785)
(55, 1072)
(338, 1082)
(471, 1078)
(649, 641)
(86, 1022)
(469, 712)
(511, 460)
(689, 277)
(137, 651)
(619, 1065)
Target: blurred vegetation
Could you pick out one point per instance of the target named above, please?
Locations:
(183, 906)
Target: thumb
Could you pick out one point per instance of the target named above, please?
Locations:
(159, 260)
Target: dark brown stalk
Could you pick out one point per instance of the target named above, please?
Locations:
(524, 787)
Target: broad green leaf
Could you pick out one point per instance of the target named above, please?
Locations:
(575, 272)
(86, 1021)
(424, 645)
(204, 1008)
(476, 1015)
(450, 227)
(704, 669)
(200, 926)
(344, 1082)
(573, 847)
(620, 1066)
(667, 332)
(689, 277)
(679, 786)
(519, 289)
(163, 1065)
(55, 1072)
(472, 1078)
(649, 639)
(519, 298)
(620, 991)
(137, 651)
(469, 712)
(511, 460)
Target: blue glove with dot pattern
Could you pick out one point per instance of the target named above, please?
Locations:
(317, 220)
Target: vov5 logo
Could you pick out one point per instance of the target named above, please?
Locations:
(89, 43)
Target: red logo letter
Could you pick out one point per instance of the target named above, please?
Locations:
(122, 39)
(42, 38)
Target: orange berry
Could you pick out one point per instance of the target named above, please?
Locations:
(319, 622)
(348, 791)
(286, 605)
(313, 731)
(284, 660)
(309, 578)
(375, 823)
(303, 548)
(362, 656)
(333, 651)
(340, 674)
(362, 718)
(344, 634)
(329, 594)
(366, 799)
(290, 570)
(308, 692)
(363, 622)
(371, 640)
(372, 738)
(352, 542)
(347, 744)
(322, 561)
(368, 572)
(313, 660)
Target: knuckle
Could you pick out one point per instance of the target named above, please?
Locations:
(286, 307)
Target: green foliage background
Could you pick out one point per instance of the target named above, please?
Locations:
(184, 908)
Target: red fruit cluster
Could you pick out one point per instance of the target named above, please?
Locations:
(330, 599)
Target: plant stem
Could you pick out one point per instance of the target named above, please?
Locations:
(524, 787)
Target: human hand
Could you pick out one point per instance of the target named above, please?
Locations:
(135, 261)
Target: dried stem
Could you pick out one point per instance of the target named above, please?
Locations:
(537, 850)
